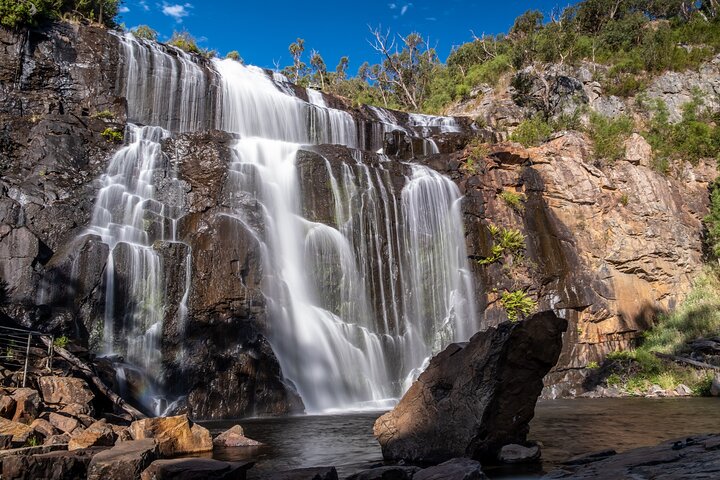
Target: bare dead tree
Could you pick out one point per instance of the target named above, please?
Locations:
(384, 45)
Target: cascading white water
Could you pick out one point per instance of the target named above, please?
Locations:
(355, 307)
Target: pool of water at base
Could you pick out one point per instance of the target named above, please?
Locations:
(565, 428)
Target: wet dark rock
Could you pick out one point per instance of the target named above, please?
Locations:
(395, 472)
(693, 457)
(125, 461)
(196, 469)
(313, 473)
(455, 469)
(474, 397)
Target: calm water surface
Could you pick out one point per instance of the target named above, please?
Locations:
(564, 427)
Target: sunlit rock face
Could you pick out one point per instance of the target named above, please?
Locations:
(246, 249)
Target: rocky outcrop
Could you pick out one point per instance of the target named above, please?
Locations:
(473, 398)
(594, 246)
(60, 465)
(174, 435)
(125, 461)
(693, 457)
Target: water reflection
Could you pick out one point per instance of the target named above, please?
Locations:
(564, 427)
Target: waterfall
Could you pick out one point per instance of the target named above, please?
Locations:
(355, 307)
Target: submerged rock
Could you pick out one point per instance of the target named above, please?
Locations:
(313, 473)
(474, 397)
(694, 457)
(455, 469)
(394, 472)
(514, 453)
(235, 437)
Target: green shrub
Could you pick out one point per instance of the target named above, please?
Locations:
(609, 135)
(513, 200)
(235, 55)
(25, 13)
(532, 132)
(517, 304)
(112, 135)
(61, 342)
(184, 41)
(104, 115)
(702, 387)
(593, 365)
(505, 242)
(145, 32)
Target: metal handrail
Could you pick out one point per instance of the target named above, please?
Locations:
(16, 342)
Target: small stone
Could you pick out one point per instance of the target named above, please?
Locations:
(63, 423)
(7, 406)
(715, 386)
(638, 150)
(20, 432)
(62, 439)
(683, 390)
(43, 427)
(234, 437)
(99, 434)
(655, 391)
(76, 409)
(514, 453)
(27, 405)
(312, 473)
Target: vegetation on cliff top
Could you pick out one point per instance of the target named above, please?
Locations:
(21, 13)
(634, 39)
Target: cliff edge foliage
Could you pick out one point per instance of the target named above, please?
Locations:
(21, 13)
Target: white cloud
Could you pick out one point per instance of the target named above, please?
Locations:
(144, 5)
(392, 6)
(176, 11)
(123, 9)
(405, 8)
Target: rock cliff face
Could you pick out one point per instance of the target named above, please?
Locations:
(610, 248)
(607, 248)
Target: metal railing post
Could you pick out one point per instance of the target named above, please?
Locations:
(50, 352)
(27, 359)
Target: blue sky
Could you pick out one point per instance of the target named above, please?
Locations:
(261, 30)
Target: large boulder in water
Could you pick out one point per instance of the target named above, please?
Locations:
(474, 397)
(174, 435)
